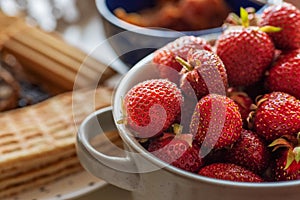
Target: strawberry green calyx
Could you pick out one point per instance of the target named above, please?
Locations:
(184, 63)
(250, 119)
(244, 17)
(296, 151)
(247, 18)
(290, 159)
(270, 29)
(177, 129)
(280, 143)
(245, 23)
(235, 96)
(287, 162)
(293, 148)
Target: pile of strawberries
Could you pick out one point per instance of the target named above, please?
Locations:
(229, 111)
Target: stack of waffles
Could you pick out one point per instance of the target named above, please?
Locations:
(37, 143)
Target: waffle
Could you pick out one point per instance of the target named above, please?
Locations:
(37, 173)
(26, 166)
(37, 143)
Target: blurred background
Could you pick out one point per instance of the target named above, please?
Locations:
(77, 21)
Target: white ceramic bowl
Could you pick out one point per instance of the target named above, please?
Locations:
(148, 177)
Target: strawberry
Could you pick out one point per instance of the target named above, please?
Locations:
(182, 45)
(284, 75)
(177, 151)
(243, 101)
(203, 73)
(287, 17)
(164, 58)
(150, 107)
(286, 166)
(277, 114)
(250, 152)
(167, 65)
(246, 53)
(229, 172)
(216, 122)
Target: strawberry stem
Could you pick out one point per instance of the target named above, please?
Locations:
(184, 63)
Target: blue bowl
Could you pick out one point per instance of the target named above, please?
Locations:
(132, 43)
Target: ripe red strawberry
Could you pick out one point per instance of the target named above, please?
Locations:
(164, 57)
(229, 172)
(243, 101)
(250, 152)
(286, 166)
(277, 114)
(182, 45)
(203, 73)
(167, 65)
(284, 75)
(216, 122)
(150, 107)
(246, 52)
(177, 151)
(287, 17)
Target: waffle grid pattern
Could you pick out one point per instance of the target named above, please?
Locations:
(37, 143)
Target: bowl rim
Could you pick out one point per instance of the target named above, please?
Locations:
(149, 31)
(129, 140)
